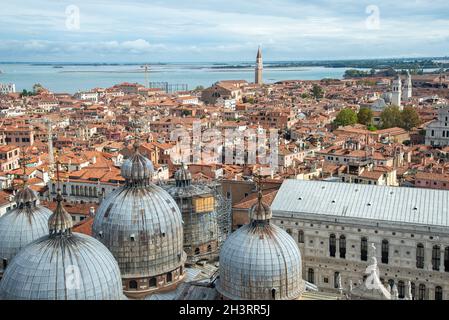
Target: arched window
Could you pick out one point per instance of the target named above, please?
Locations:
(438, 293)
(169, 277)
(446, 259)
(311, 275)
(336, 276)
(401, 289)
(273, 294)
(391, 283)
(64, 189)
(153, 282)
(300, 236)
(364, 249)
(422, 292)
(332, 245)
(197, 250)
(436, 258)
(72, 190)
(209, 248)
(420, 256)
(133, 284)
(342, 245)
(53, 188)
(413, 290)
(385, 251)
(5, 264)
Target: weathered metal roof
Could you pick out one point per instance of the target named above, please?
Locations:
(199, 228)
(257, 259)
(20, 227)
(75, 267)
(142, 227)
(415, 206)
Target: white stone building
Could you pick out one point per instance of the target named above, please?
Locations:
(335, 225)
(6, 88)
(87, 96)
(437, 132)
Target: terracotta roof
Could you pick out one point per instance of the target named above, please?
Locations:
(267, 198)
(85, 226)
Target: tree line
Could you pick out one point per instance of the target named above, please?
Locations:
(390, 117)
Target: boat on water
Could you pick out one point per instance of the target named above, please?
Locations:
(58, 67)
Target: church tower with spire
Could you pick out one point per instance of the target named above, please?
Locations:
(259, 67)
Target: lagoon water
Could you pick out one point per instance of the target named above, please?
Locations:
(71, 78)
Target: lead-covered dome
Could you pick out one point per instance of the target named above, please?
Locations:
(141, 225)
(260, 261)
(62, 266)
(22, 225)
(198, 207)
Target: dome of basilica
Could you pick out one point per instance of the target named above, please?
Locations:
(22, 225)
(141, 225)
(199, 212)
(260, 261)
(62, 266)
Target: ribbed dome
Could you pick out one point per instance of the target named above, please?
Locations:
(201, 229)
(142, 227)
(137, 168)
(77, 267)
(260, 261)
(22, 225)
(62, 266)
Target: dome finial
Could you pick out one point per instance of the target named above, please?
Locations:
(25, 197)
(60, 222)
(260, 212)
(23, 162)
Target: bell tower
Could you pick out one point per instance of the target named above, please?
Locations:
(259, 68)
(397, 92)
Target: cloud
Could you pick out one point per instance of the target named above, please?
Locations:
(222, 30)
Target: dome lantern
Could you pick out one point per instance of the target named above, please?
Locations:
(260, 212)
(183, 176)
(60, 222)
(137, 169)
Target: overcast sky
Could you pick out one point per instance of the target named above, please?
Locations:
(221, 30)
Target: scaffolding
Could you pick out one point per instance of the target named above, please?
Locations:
(206, 227)
(169, 87)
(224, 213)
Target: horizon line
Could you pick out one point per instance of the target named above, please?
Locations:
(225, 61)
